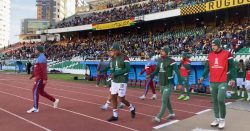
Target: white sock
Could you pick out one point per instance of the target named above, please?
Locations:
(243, 94)
(122, 104)
(107, 103)
(115, 113)
(222, 119)
(174, 87)
(131, 107)
(185, 90)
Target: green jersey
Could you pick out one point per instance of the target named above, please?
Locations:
(165, 68)
(120, 68)
(241, 71)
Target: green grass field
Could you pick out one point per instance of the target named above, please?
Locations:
(7, 71)
(69, 77)
(66, 77)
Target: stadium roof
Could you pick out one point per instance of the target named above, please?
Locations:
(97, 2)
(84, 5)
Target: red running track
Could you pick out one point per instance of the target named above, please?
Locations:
(79, 107)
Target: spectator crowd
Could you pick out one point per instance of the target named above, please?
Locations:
(192, 40)
(131, 9)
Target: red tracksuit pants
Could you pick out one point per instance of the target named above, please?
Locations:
(151, 84)
(39, 89)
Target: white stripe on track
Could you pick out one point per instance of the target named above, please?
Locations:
(33, 123)
(73, 112)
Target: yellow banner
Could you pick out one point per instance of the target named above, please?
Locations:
(113, 25)
(220, 4)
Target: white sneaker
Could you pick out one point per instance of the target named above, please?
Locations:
(215, 122)
(156, 119)
(33, 109)
(170, 116)
(248, 99)
(55, 104)
(248, 96)
(153, 97)
(104, 107)
(222, 123)
(142, 97)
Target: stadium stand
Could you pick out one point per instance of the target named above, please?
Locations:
(192, 34)
(126, 12)
(191, 39)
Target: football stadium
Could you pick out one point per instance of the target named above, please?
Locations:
(132, 65)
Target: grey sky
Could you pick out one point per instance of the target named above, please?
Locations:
(20, 9)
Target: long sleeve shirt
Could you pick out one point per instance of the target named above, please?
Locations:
(165, 68)
(120, 69)
(40, 68)
(241, 72)
(149, 68)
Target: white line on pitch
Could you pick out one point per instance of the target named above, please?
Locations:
(201, 112)
(166, 124)
(46, 129)
(73, 112)
(228, 103)
(79, 100)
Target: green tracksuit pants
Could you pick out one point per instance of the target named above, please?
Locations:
(186, 85)
(166, 93)
(218, 91)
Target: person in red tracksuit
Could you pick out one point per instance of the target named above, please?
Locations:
(101, 75)
(40, 77)
(150, 67)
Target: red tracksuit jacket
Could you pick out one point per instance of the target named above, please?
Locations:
(40, 68)
(150, 67)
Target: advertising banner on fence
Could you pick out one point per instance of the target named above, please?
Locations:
(113, 25)
(212, 6)
(221, 4)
